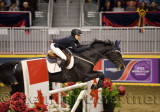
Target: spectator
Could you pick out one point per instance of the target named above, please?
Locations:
(122, 1)
(131, 6)
(147, 1)
(143, 6)
(153, 7)
(8, 2)
(16, 1)
(119, 6)
(27, 8)
(14, 7)
(102, 4)
(127, 3)
(107, 6)
(32, 3)
(3, 6)
(156, 1)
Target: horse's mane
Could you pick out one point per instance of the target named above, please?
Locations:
(107, 42)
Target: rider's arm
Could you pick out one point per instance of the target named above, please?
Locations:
(77, 49)
(78, 44)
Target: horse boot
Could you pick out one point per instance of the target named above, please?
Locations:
(63, 67)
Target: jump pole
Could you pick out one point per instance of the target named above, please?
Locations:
(67, 88)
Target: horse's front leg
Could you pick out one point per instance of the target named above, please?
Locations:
(96, 74)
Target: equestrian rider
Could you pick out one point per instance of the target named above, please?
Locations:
(60, 44)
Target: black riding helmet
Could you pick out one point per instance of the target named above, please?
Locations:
(76, 32)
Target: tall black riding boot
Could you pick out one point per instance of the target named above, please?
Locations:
(63, 67)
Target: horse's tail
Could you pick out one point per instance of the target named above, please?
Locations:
(7, 71)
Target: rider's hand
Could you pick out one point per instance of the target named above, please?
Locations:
(88, 47)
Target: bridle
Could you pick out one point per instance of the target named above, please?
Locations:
(103, 56)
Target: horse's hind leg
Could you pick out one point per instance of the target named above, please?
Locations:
(50, 88)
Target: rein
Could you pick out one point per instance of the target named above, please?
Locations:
(90, 61)
(84, 59)
(103, 56)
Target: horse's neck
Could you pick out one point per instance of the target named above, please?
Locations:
(93, 55)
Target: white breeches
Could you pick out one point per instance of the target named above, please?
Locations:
(58, 52)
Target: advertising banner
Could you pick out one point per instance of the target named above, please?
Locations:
(140, 70)
(136, 70)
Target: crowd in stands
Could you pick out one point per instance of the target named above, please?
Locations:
(19, 5)
(129, 5)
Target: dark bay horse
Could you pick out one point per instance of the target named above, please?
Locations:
(11, 72)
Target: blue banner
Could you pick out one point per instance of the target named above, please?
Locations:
(153, 18)
(129, 19)
(120, 19)
(14, 19)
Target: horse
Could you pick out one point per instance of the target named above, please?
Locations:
(11, 72)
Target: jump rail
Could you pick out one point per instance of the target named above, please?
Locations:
(67, 88)
(80, 97)
(34, 83)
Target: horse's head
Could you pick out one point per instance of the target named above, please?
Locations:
(115, 56)
(109, 50)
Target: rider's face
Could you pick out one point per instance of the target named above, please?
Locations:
(77, 37)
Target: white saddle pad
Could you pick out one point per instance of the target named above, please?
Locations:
(54, 68)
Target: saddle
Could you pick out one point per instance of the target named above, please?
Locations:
(54, 56)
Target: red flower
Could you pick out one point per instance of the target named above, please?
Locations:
(70, 84)
(18, 105)
(18, 96)
(30, 110)
(41, 107)
(18, 102)
(121, 90)
(107, 84)
(4, 106)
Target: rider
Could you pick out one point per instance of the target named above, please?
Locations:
(59, 44)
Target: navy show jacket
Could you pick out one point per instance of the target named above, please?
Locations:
(66, 42)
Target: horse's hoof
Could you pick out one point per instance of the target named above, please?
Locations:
(94, 86)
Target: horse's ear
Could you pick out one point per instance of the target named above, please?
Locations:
(117, 43)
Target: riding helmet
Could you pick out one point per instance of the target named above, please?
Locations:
(76, 32)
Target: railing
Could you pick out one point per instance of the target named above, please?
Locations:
(37, 40)
(50, 13)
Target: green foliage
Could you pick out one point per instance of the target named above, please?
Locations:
(110, 98)
(71, 98)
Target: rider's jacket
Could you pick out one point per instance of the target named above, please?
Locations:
(66, 42)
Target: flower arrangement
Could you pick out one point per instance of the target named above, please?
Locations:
(111, 95)
(72, 96)
(17, 103)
